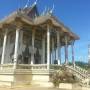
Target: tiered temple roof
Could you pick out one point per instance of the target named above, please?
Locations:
(30, 15)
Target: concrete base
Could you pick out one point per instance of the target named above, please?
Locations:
(66, 86)
(26, 77)
(6, 79)
(70, 86)
(85, 88)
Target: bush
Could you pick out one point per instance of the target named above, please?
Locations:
(55, 78)
(63, 76)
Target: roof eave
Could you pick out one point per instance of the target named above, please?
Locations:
(12, 17)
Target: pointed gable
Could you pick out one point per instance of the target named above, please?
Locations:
(32, 11)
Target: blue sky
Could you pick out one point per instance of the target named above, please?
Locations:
(73, 13)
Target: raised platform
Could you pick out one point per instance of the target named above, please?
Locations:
(27, 74)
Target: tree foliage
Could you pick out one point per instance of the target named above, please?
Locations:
(83, 65)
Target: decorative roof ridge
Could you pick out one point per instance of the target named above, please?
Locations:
(55, 21)
(15, 14)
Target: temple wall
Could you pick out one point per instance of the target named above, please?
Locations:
(40, 77)
(25, 77)
(32, 77)
(7, 78)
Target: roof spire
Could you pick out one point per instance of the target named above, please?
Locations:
(35, 2)
(43, 13)
(51, 11)
(27, 4)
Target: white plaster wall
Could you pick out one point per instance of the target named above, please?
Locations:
(6, 78)
(40, 78)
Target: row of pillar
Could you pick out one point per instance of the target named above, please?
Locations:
(58, 48)
(58, 53)
(16, 47)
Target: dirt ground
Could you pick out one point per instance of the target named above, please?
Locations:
(31, 88)
(37, 88)
(28, 88)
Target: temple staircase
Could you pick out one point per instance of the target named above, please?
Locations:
(81, 74)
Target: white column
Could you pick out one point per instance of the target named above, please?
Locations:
(8, 50)
(43, 50)
(20, 51)
(16, 47)
(33, 50)
(4, 48)
(54, 50)
(72, 46)
(52, 53)
(89, 54)
(58, 48)
(55, 47)
(66, 50)
(48, 46)
(21, 42)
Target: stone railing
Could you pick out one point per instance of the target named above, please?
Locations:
(35, 66)
(38, 66)
(77, 72)
(83, 71)
(29, 66)
(6, 66)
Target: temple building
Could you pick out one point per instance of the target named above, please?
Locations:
(30, 46)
